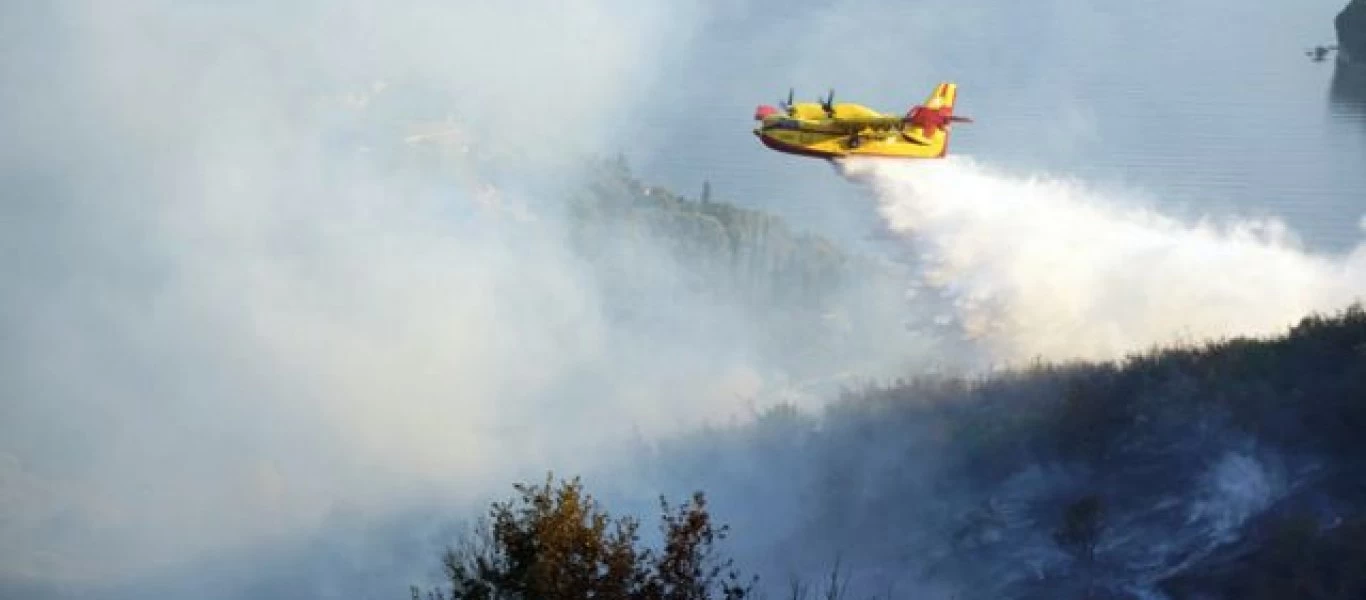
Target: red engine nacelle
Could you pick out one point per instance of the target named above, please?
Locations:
(931, 120)
(928, 120)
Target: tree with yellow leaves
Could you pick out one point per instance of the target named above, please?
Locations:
(556, 543)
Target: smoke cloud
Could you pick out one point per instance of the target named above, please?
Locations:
(1040, 266)
(237, 303)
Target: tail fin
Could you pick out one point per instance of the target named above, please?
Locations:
(928, 123)
(943, 96)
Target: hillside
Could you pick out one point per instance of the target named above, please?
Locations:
(1204, 472)
(668, 263)
(1204, 462)
(1351, 31)
(1217, 471)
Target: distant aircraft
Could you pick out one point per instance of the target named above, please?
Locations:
(828, 130)
(1318, 53)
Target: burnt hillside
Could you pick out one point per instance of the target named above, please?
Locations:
(1235, 464)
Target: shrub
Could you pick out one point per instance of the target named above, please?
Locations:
(555, 542)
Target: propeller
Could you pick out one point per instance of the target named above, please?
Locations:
(787, 106)
(829, 104)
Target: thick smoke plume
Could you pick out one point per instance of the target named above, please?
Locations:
(240, 300)
(1044, 267)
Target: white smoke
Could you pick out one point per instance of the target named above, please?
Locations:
(1045, 267)
(1235, 489)
(237, 302)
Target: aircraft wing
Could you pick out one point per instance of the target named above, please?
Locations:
(878, 122)
(858, 123)
(937, 109)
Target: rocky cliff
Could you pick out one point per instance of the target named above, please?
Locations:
(1351, 28)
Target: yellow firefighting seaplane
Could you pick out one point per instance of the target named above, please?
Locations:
(828, 130)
